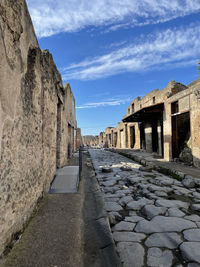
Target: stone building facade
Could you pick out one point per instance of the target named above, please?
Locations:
(90, 140)
(37, 119)
(164, 122)
(79, 140)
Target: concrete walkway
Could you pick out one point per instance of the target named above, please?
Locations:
(147, 159)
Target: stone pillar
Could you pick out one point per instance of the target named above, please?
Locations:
(112, 138)
(195, 125)
(137, 137)
(125, 136)
(118, 138)
(167, 131)
(159, 130)
(148, 137)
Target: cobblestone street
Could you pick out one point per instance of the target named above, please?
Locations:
(154, 218)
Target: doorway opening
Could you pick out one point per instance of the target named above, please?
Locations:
(154, 136)
(180, 133)
(115, 140)
(142, 136)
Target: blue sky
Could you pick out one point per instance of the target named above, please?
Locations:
(112, 51)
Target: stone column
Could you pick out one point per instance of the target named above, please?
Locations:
(167, 131)
(137, 136)
(159, 126)
(195, 125)
(148, 137)
(125, 136)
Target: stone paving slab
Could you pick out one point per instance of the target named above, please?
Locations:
(66, 180)
(154, 218)
(166, 240)
(132, 254)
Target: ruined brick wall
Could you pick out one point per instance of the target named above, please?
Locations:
(30, 89)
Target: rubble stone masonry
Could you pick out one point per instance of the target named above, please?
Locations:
(33, 116)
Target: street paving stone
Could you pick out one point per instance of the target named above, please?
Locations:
(131, 254)
(124, 226)
(151, 211)
(134, 180)
(128, 237)
(137, 205)
(125, 200)
(109, 183)
(196, 195)
(188, 182)
(151, 214)
(164, 224)
(113, 206)
(133, 219)
(156, 257)
(193, 217)
(192, 234)
(160, 194)
(193, 264)
(190, 251)
(175, 212)
(171, 203)
(166, 240)
(195, 207)
(111, 199)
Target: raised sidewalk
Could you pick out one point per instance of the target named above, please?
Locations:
(174, 169)
(67, 230)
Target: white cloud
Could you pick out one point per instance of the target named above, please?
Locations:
(55, 16)
(116, 101)
(177, 47)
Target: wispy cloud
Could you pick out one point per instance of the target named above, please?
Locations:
(116, 101)
(55, 16)
(176, 47)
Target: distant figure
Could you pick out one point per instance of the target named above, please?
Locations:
(101, 145)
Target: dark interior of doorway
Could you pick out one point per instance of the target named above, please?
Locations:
(132, 136)
(142, 136)
(154, 137)
(180, 132)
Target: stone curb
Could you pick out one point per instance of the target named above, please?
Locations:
(109, 256)
(174, 173)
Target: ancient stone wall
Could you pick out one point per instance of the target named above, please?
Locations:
(195, 121)
(79, 141)
(161, 137)
(31, 92)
